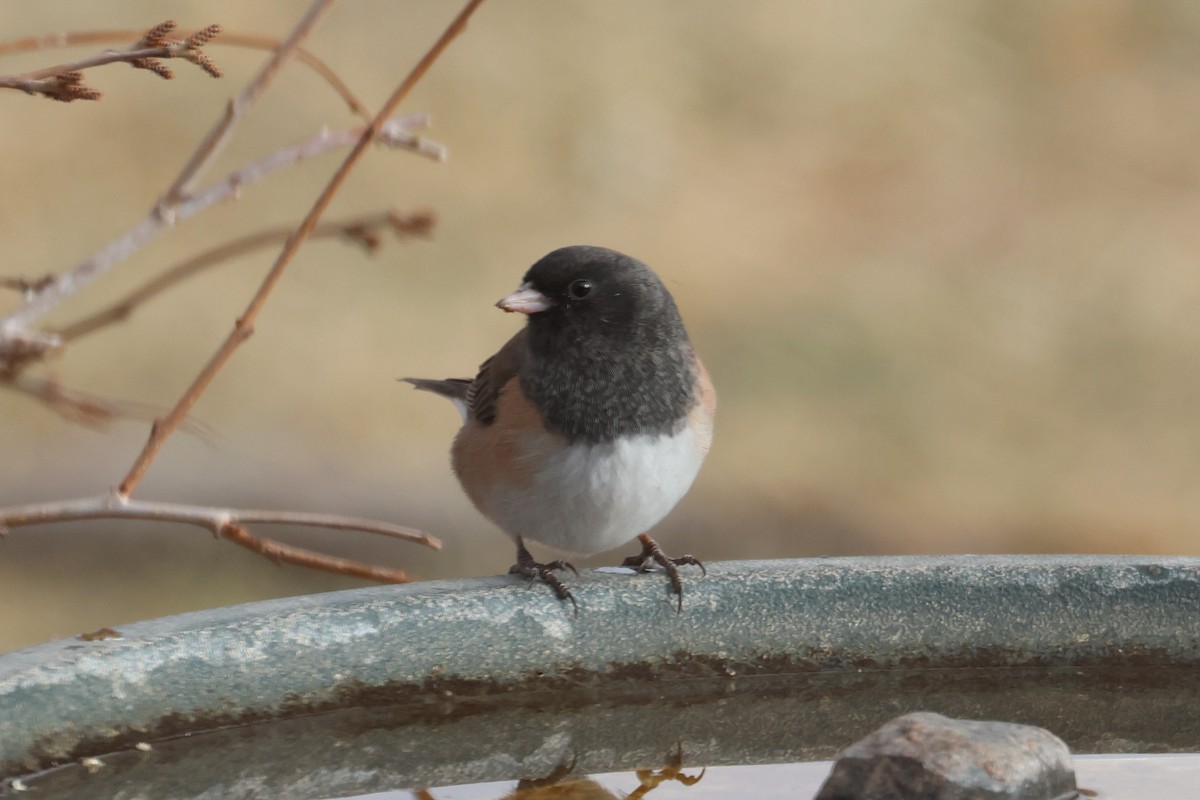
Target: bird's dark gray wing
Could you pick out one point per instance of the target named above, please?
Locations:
(477, 398)
(493, 375)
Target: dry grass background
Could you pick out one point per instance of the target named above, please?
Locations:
(940, 258)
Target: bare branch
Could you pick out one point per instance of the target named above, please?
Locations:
(93, 411)
(228, 39)
(280, 553)
(166, 210)
(178, 202)
(76, 407)
(397, 133)
(227, 523)
(318, 66)
(65, 81)
(244, 327)
(215, 141)
(64, 87)
(364, 231)
(188, 49)
(20, 345)
(26, 285)
(96, 412)
(113, 505)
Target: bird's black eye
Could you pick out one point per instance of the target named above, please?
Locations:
(580, 289)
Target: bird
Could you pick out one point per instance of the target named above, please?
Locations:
(590, 424)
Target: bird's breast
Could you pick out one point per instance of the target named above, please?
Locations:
(585, 498)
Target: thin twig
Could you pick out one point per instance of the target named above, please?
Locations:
(217, 138)
(97, 60)
(65, 87)
(166, 209)
(26, 285)
(113, 505)
(397, 132)
(364, 230)
(280, 554)
(35, 82)
(64, 82)
(21, 80)
(90, 410)
(228, 523)
(17, 339)
(20, 347)
(244, 327)
(228, 39)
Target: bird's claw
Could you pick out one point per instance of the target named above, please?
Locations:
(526, 567)
(652, 555)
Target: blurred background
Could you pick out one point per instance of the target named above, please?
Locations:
(939, 257)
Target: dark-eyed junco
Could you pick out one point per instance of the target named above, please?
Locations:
(590, 424)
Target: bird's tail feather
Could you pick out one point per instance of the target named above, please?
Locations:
(454, 388)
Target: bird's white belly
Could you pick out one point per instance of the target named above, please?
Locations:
(587, 498)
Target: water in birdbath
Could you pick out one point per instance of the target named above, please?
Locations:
(630, 736)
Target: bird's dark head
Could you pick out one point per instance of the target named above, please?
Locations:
(595, 293)
(608, 354)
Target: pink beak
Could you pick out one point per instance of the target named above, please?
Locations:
(525, 300)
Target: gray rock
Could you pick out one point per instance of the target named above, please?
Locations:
(926, 756)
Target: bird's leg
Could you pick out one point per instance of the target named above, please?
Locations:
(671, 771)
(526, 567)
(652, 554)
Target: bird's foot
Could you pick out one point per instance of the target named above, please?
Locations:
(527, 567)
(653, 555)
(671, 771)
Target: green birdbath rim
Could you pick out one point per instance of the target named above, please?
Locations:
(500, 639)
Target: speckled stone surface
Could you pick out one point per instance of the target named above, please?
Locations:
(933, 757)
(320, 653)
